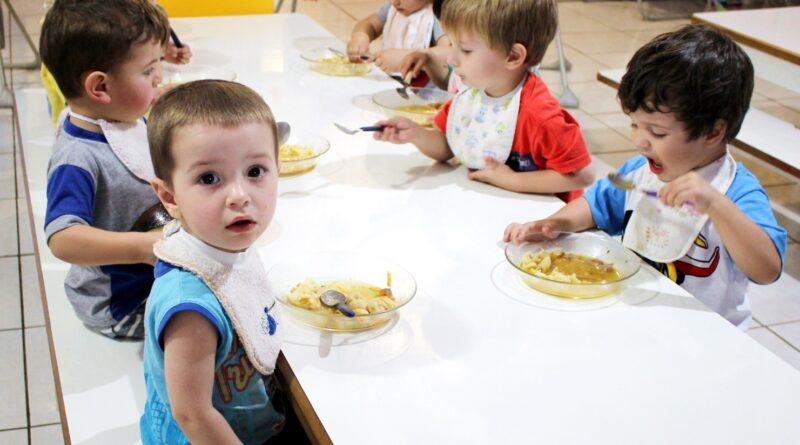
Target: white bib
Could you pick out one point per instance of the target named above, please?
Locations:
(664, 234)
(128, 141)
(480, 126)
(408, 32)
(240, 283)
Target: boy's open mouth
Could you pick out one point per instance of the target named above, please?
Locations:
(655, 167)
(241, 225)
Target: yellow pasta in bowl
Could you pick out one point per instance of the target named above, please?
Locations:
(300, 155)
(325, 61)
(374, 289)
(420, 106)
(574, 265)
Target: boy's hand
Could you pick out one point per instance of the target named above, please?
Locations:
(690, 188)
(149, 240)
(413, 63)
(178, 55)
(358, 46)
(398, 130)
(492, 173)
(389, 59)
(532, 231)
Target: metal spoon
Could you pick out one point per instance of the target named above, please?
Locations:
(284, 130)
(334, 298)
(405, 82)
(358, 130)
(619, 182)
(341, 54)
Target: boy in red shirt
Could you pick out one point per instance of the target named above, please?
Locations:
(505, 127)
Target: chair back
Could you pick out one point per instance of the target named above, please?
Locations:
(202, 8)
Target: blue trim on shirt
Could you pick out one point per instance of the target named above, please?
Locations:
(70, 191)
(130, 285)
(182, 307)
(78, 132)
(162, 268)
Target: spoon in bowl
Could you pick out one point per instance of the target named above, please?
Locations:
(402, 91)
(334, 298)
(341, 54)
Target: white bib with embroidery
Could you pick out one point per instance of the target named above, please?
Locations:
(479, 126)
(240, 283)
(128, 141)
(664, 234)
(408, 32)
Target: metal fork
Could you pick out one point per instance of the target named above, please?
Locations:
(360, 129)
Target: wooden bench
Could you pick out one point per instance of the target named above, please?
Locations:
(765, 137)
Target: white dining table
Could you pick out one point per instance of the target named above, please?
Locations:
(474, 357)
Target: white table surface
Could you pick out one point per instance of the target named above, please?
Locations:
(463, 363)
(773, 30)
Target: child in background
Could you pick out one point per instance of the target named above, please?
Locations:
(405, 25)
(432, 62)
(506, 127)
(105, 56)
(212, 323)
(711, 229)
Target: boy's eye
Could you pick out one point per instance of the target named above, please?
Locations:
(256, 171)
(208, 179)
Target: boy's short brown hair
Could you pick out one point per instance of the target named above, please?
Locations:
(502, 23)
(697, 73)
(203, 102)
(96, 35)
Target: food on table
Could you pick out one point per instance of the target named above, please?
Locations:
(296, 159)
(419, 113)
(338, 65)
(566, 267)
(362, 298)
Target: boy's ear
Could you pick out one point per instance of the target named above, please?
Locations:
(166, 196)
(95, 85)
(717, 133)
(516, 56)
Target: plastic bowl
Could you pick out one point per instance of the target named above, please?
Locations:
(173, 75)
(592, 244)
(340, 266)
(293, 165)
(325, 61)
(422, 103)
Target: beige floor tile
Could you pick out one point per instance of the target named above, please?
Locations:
(14, 437)
(6, 128)
(358, 10)
(601, 168)
(47, 435)
(41, 387)
(794, 104)
(646, 34)
(26, 78)
(31, 295)
(773, 91)
(613, 60)
(766, 174)
(596, 97)
(572, 21)
(789, 332)
(28, 7)
(786, 204)
(776, 302)
(7, 176)
(585, 120)
(8, 221)
(606, 140)
(755, 324)
(330, 16)
(12, 408)
(25, 229)
(584, 68)
(780, 111)
(31, 22)
(619, 122)
(602, 42)
(776, 345)
(615, 160)
(10, 310)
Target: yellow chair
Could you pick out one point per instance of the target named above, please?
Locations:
(54, 96)
(201, 8)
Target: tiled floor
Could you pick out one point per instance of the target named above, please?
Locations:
(596, 35)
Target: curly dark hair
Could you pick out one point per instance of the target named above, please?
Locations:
(697, 73)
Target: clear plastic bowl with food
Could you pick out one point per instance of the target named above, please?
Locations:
(325, 61)
(300, 154)
(421, 105)
(343, 270)
(594, 279)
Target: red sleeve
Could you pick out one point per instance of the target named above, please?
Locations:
(561, 146)
(441, 117)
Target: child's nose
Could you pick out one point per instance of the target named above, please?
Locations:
(237, 195)
(452, 57)
(639, 139)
